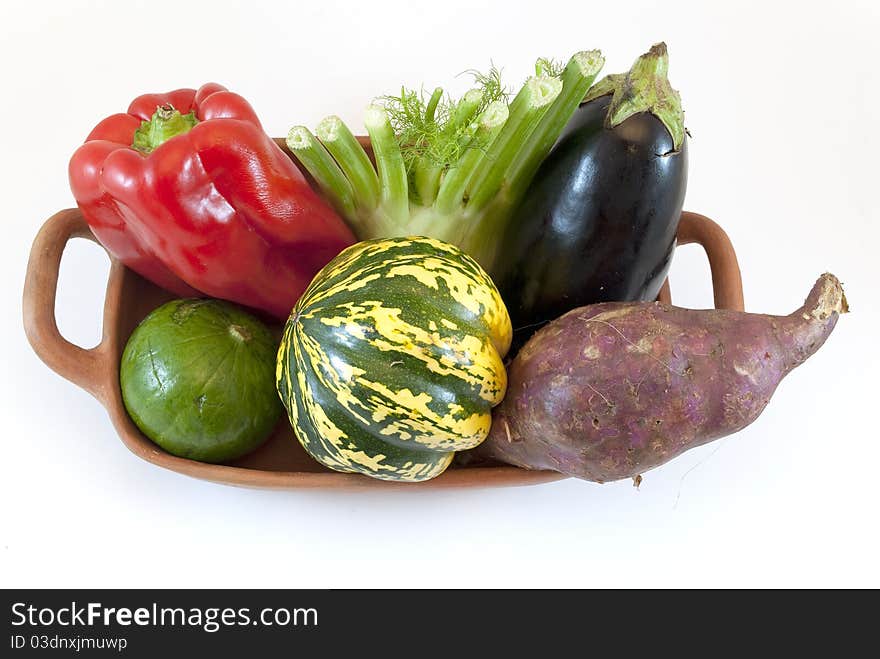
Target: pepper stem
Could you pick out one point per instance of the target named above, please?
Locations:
(644, 88)
(166, 122)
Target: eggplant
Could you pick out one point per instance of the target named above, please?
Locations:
(598, 221)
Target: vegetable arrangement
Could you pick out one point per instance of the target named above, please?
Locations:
(567, 195)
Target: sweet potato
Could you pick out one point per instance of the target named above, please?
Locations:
(611, 390)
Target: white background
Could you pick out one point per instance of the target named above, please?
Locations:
(782, 102)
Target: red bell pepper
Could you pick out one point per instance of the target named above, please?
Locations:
(187, 190)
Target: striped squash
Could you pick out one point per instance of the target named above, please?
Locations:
(392, 359)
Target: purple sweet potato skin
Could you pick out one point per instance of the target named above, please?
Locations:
(611, 390)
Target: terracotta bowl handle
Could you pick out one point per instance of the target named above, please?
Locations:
(82, 367)
(726, 276)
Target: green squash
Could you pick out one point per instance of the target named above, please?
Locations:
(198, 378)
(392, 359)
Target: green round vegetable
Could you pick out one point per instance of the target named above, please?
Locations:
(198, 378)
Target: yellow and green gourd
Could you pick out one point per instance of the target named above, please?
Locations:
(392, 359)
